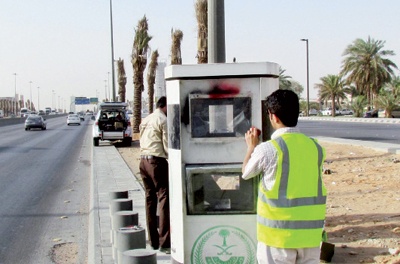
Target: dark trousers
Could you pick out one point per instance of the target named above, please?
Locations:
(154, 174)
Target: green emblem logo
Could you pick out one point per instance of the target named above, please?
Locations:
(224, 245)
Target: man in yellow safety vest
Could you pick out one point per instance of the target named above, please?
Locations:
(292, 197)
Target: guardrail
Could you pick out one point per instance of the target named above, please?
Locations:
(21, 120)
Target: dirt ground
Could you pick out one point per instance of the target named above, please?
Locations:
(363, 208)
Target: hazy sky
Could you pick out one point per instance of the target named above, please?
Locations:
(64, 45)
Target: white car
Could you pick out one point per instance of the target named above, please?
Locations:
(346, 112)
(73, 119)
(112, 123)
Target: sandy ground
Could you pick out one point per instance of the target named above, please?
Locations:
(363, 208)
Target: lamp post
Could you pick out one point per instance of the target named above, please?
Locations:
(52, 99)
(112, 54)
(108, 83)
(308, 80)
(105, 91)
(38, 106)
(30, 88)
(15, 94)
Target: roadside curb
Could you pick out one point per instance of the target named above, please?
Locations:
(353, 119)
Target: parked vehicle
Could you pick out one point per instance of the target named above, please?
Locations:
(35, 121)
(112, 123)
(313, 112)
(371, 114)
(396, 112)
(1, 113)
(327, 112)
(346, 112)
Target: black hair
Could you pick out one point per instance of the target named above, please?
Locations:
(162, 102)
(285, 105)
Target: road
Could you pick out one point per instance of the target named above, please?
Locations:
(378, 132)
(44, 191)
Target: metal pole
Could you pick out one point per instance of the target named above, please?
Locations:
(105, 90)
(216, 31)
(30, 88)
(52, 99)
(108, 83)
(15, 94)
(38, 106)
(308, 79)
(112, 53)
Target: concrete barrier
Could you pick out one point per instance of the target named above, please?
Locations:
(21, 120)
(139, 256)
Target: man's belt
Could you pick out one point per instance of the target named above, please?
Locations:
(147, 157)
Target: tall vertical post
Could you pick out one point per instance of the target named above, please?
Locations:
(112, 54)
(15, 94)
(38, 106)
(216, 31)
(308, 79)
(30, 88)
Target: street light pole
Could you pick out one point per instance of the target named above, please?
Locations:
(52, 99)
(30, 88)
(38, 106)
(308, 79)
(112, 54)
(105, 91)
(15, 94)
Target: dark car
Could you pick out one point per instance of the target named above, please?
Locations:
(371, 114)
(35, 121)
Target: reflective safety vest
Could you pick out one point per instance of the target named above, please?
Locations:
(292, 213)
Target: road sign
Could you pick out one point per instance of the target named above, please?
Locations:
(82, 100)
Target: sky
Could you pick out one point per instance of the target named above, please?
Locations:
(51, 50)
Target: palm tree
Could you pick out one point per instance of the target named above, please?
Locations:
(121, 80)
(388, 102)
(365, 65)
(151, 78)
(176, 57)
(358, 105)
(139, 61)
(202, 31)
(297, 88)
(331, 88)
(284, 82)
(394, 86)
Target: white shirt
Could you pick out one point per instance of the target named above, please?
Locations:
(264, 159)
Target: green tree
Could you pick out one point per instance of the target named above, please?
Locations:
(358, 105)
(139, 61)
(331, 87)
(393, 86)
(284, 82)
(388, 102)
(202, 31)
(365, 64)
(151, 78)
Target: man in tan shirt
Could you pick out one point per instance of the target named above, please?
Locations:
(154, 172)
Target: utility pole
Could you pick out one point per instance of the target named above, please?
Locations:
(30, 88)
(112, 54)
(216, 31)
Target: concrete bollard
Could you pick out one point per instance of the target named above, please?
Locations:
(128, 238)
(123, 219)
(119, 195)
(120, 205)
(139, 256)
